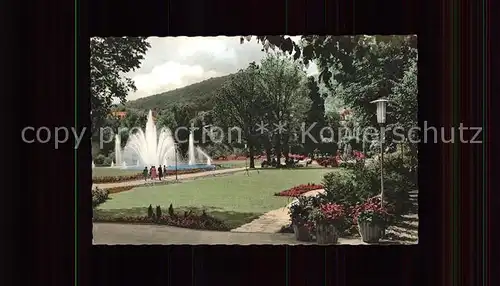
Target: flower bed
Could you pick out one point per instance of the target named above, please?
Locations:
(120, 189)
(299, 190)
(116, 179)
(329, 161)
(99, 196)
(188, 220)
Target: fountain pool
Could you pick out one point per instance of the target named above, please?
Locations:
(156, 147)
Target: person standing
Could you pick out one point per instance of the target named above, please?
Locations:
(145, 173)
(160, 172)
(153, 172)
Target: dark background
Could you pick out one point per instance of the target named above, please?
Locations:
(38, 86)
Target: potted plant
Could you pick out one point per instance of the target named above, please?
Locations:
(299, 212)
(372, 220)
(327, 217)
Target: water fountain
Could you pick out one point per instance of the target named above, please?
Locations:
(112, 164)
(191, 154)
(93, 164)
(202, 155)
(118, 150)
(156, 147)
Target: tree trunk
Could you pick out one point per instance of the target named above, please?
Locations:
(277, 150)
(267, 147)
(251, 155)
(268, 154)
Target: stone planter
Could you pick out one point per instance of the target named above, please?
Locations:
(326, 234)
(369, 232)
(301, 232)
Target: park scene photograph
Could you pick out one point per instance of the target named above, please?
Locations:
(254, 140)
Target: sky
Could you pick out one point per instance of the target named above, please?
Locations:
(175, 62)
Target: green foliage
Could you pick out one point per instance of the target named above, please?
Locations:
(282, 81)
(240, 104)
(158, 212)
(150, 211)
(110, 58)
(361, 182)
(359, 69)
(99, 196)
(315, 116)
(301, 209)
(100, 159)
(348, 188)
(200, 95)
(171, 211)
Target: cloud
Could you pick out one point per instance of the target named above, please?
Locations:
(174, 62)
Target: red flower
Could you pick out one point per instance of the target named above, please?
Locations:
(371, 205)
(299, 190)
(332, 211)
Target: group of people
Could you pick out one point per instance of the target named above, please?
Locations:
(154, 173)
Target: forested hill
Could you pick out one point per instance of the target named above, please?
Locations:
(199, 95)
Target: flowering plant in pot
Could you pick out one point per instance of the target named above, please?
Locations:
(372, 219)
(299, 213)
(327, 217)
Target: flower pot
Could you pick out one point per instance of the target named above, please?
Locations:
(326, 234)
(370, 232)
(301, 232)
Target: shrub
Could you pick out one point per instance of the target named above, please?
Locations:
(352, 164)
(171, 210)
(119, 189)
(99, 196)
(192, 221)
(158, 211)
(99, 159)
(299, 190)
(396, 187)
(399, 178)
(107, 161)
(150, 211)
(347, 189)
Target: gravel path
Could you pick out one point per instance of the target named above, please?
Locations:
(115, 234)
(272, 221)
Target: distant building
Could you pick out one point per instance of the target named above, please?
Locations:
(345, 114)
(119, 114)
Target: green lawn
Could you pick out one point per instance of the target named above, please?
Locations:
(107, 171)
(232, 193)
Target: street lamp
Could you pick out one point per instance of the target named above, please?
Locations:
(381, 112)
(246, 155)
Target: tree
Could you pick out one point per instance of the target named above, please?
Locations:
(364, 67)
(315, 115)
(282, 82)
(404, 106)
(110, 59)
(239, 103)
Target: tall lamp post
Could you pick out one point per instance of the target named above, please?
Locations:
(381, 112)
(246, 155)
